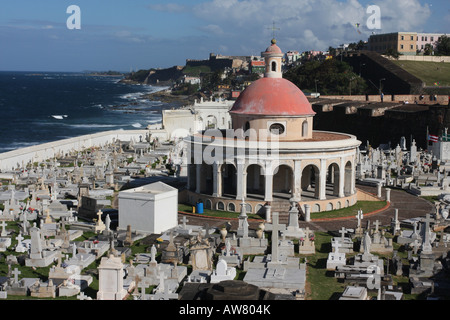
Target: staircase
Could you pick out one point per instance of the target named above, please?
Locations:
(282, 207)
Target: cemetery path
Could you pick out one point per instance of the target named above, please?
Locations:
(408, 205)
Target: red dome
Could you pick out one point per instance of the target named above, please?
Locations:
(273, 49)
(272, 97)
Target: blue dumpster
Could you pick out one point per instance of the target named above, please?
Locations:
(199, 207)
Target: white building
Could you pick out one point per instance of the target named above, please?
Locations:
(180, 123)
(152, 208)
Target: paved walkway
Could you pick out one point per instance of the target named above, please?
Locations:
(408, 205)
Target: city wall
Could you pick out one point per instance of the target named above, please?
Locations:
(411, 98)
(18, 158)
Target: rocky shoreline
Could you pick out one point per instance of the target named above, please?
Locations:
(166, 96)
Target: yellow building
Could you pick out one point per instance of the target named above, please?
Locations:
(403, 42)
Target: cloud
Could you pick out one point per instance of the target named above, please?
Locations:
(403, 15)
(167, 7)
(306, 24)
(213, 29)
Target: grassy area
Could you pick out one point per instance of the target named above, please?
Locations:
(321, 283)
(195, 71)
(216, 213)
(365, 206)
(428, 72)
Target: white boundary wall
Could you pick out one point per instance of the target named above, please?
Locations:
(445, 59)
(17, 158)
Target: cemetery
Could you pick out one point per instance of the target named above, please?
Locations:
(104, 224)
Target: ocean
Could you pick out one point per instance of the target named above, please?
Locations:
(44, 107)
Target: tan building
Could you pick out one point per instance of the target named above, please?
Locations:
(403, 42)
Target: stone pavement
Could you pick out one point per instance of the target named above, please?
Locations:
(408, 205)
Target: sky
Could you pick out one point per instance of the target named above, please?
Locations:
(38, 35)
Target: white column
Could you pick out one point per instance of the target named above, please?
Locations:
(240, 178)
(307, 212)
(323, 179)
(353, 182)
(341, 178)
(297, 192)
(268, 180)
(217, 180)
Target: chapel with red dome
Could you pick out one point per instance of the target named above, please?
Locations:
(272, 156)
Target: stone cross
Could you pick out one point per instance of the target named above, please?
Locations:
(81, 296)
(144, 286)
(99, 214)
(336, 246)
(377, 224)
(3, 225)
(59, 255)
(185, 220)
(359, 216)
(342, 232)
(162, 283)
(16, 273)
(19, 239)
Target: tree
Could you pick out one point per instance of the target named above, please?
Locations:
(443, 46)
(331, 76)
(428, 49)
(391, 52)
(332, 51)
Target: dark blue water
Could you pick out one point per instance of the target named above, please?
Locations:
(31, 103)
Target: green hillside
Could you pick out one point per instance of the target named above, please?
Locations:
(428, 72)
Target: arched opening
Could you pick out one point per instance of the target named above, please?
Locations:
(305, 128)
(247, 126)
(231, 207)
(220, 206)
(192, 173)
(315, 208)
(274, 66)
(229, 180)
(283, 182)
(255, 182)
(310, 182)
(206, 181)
(211, 122)
(332, 188)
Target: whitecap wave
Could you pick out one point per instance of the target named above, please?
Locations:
(94, 125)
(137, 125)
(59, 117)
(153, 121)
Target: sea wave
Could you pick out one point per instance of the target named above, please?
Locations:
(94, 125)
